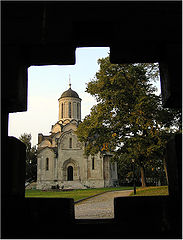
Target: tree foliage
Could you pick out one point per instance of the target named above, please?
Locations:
(31, 158)
(129, 118)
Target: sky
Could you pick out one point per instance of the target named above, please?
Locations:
(45, 86)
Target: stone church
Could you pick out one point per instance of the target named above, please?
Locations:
(61, 162)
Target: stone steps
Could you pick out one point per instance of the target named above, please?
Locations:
(73, 185)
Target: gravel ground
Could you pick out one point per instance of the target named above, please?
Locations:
(99, 207)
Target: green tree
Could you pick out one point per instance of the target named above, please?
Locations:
(129, 118)
(31, 158)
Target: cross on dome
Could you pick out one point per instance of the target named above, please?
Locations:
(69, 92)
(69, 81)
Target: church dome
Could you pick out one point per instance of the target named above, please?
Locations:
(69, 93)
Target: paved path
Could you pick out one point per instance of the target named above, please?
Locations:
(99, 207)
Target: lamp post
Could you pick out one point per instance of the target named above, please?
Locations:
(134, 186)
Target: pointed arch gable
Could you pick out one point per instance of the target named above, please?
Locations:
(40, 151)
(56, 128)
(69, 132)
(64, 141)
(74, 121)
(45, 143)
(66, 121)
(56, 136)
(71, 125)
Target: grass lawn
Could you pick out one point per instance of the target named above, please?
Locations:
(151, 191)
(75, 194)
(84, 193)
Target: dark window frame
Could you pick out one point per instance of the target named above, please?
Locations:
(47, 164)
(93, 163)
(77, 110)
(70, 142)
(69, 109)
(62, 112)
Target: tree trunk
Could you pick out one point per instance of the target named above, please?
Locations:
(143, 179)
(165, 168)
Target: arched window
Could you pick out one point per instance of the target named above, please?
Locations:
(93, 163)
(113, 166)
(69, 109)
(47, 164)
(70, 173)
(77, 110)
(70, 142)
(62, 110)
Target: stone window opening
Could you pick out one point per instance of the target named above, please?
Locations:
(62, 110)
(47, 164)
(77, 110)
(68, 174)
(93, 163)
(70, 142)
(136, 57)
(69, 109)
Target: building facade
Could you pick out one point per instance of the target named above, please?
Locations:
(61, 162)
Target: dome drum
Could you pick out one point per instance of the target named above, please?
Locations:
(69, 105)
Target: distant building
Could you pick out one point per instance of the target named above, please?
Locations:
(61, 159)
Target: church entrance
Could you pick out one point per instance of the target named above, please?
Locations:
(70, 173)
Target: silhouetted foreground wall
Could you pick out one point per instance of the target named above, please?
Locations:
(38, 33)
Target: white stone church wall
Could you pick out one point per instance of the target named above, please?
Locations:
(97, 171)
(95, 183)
(45, 177)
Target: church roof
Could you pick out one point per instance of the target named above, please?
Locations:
(55, 149)
(69, 93)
